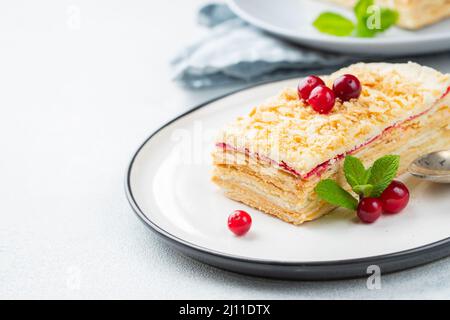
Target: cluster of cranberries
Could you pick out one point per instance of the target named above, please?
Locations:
(393, 200)
(313, 90)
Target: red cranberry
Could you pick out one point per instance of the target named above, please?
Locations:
(369, 209)
(347, 87)
(306, 85)
(239, 222)
(395, 197)
(322, 99)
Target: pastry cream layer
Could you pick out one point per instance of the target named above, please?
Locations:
(414, 14)
(256, 181)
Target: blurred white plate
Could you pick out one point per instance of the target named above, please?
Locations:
(292, 19)
(169, 186)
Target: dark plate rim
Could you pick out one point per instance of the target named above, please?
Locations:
(433, 249)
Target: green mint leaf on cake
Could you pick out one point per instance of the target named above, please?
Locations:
(367, 183)
(363, 189)
(354, 171)
(357, 176)
(382, 173)
(329, 191)
(334, 24)
(368, 173)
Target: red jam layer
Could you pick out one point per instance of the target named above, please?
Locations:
(319, 169)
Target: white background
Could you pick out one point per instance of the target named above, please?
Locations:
(77, 96)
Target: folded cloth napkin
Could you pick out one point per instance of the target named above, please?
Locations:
(236, 51)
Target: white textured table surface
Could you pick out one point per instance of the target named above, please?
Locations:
(82, 83)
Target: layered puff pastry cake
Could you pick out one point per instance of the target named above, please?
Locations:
(273, 158)
(414, 14)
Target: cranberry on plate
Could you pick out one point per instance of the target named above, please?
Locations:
(306, 85)
(395, 197)
(347, 87)
(322, 99)
(239, 222)
(369, 209)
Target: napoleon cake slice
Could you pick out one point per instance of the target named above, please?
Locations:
(272, 158)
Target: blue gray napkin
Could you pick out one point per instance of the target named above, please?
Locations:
(236, 51)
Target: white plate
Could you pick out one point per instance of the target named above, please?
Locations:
(292, 19)
(168, 185)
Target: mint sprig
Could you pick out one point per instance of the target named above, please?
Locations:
(364, 190)
(370, 20)
(354, 171)
(334, 194)
(382, 173)
(369, 182)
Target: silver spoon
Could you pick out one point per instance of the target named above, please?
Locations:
(434, 166)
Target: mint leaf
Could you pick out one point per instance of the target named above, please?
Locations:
(334, 24)
(368, 172)
(361, 13)
(382, 173)
(354, 171)
(360, 8)
(329, 191)
(373, 19)
(363, 31)
(388, 18)
(363, 189)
